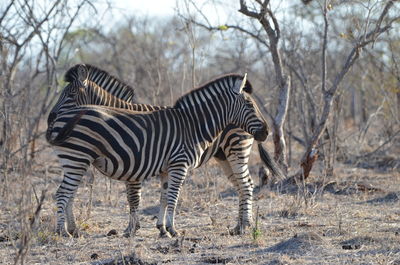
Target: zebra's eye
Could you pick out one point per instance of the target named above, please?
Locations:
(70, 90)
(73, 90)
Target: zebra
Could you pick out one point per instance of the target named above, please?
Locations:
(109, 90)
(232, 150)
(127, 145)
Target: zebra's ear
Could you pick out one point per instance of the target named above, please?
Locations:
(82, 72)
(239, 85)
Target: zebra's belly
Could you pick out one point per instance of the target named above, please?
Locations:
(121, 170)
(104, 165)
(205, 154)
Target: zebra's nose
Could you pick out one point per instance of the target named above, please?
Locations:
(262, 134)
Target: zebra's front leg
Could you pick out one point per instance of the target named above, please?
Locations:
(163, 207)
(65, 197)
(176, 176)
(133, 191)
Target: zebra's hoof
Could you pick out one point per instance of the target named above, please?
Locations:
(131, 232)
(62, 232)
(165, 234)
(239, 230)
(172, 232)
(75, 233)
(128, 235)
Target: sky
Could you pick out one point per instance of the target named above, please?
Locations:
(164, 8)
(147, 7)
(217, 12)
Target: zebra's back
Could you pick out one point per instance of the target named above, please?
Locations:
(123, 145)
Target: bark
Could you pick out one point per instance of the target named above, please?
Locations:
(353, 111)
(398, 98)
(278, 136)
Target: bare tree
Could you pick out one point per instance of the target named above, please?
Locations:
(32, 44)
(367, 37)
(32, 35)
(287, 62)
(271, 26)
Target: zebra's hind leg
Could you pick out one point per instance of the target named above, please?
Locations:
(71, 225)
(245, 189)
(232, 178)
(163, 207)
(176, 176)
(73, 172)
(234, 161)
(238, 157)
(133, 191)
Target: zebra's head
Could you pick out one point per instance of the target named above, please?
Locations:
(246, 113)
(71, 93)
(68, 99)
(90, 85)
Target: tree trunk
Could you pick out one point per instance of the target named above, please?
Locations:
(271, 26)
(398, 98)
(278, 135)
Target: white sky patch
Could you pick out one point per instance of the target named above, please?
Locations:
(218, 13)
(147, 7)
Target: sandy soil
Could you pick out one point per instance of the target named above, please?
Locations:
(353, 218)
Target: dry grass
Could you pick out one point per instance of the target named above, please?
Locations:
(352, 219)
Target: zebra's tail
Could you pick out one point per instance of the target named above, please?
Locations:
(270, 163)
(65, 131)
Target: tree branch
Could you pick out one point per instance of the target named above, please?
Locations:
(6, 11)
(245, 11)
(225, 27)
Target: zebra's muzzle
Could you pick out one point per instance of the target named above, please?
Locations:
(261, 135)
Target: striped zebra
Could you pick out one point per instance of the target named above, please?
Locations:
(232, 149)
(91, 85)
(84, 89)
(131, 146)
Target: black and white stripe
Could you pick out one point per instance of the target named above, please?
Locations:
(103, 79)
(79, 91)
(231, 149)
(132, 146)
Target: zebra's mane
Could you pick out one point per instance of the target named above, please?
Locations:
(102, 78)
(228, 78)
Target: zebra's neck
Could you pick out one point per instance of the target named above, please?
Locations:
(207, 115)
(96, 95)
(109, 83)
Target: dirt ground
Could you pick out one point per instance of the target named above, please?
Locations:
(353, 218)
